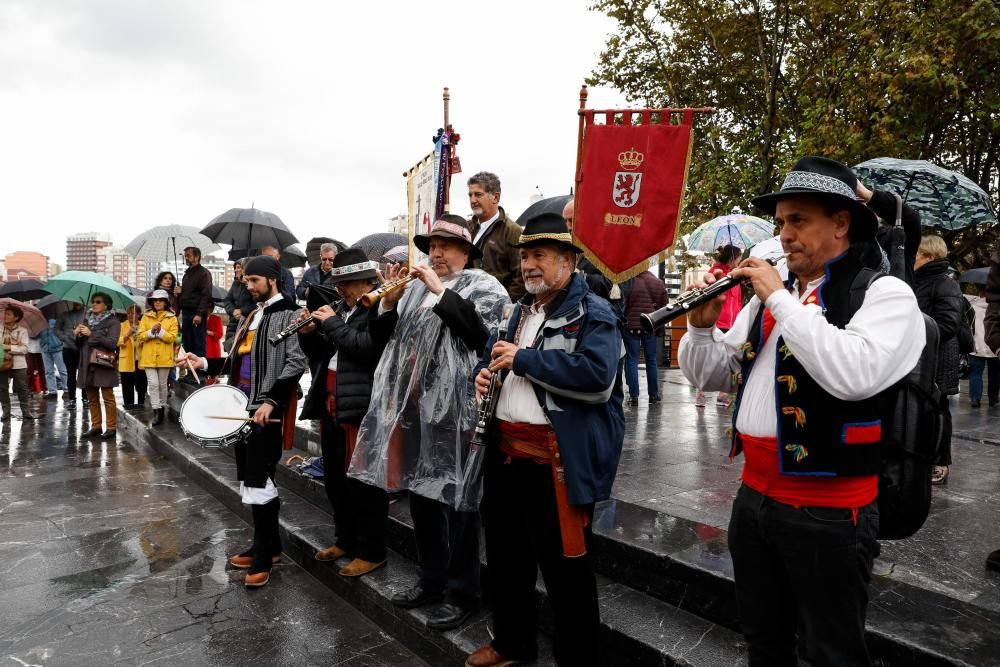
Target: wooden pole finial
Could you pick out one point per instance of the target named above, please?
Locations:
(583, 96)
(446, 96)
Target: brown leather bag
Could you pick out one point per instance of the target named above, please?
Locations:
(103, 358)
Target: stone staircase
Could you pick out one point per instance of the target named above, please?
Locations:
(665, 583)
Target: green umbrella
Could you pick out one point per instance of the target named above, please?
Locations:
(79, 286)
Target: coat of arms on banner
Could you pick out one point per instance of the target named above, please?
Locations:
(625, 191)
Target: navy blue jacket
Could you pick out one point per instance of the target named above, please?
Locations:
(575, 367)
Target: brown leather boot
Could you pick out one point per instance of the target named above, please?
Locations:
(330, 553)
(359, 567)
(257, 579)
(485, 656)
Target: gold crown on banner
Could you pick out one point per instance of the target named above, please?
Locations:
(630, 159)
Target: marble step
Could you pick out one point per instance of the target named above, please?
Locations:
(687, 565)
(636, 627)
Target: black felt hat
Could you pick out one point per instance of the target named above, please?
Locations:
(352, 264)
(546, 228)
(826, 179)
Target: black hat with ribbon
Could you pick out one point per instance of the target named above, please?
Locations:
(546, 228)
(828, 180)
(352, 264)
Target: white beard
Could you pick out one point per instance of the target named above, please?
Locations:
(544, 287)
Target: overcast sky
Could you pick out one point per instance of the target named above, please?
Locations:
(119, 115)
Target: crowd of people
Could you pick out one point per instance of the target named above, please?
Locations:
(507, 329)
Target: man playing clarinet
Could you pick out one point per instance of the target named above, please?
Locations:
(556, 439)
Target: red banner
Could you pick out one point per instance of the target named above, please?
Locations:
(629, 192)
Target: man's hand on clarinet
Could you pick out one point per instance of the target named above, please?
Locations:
(502, 355)
(765, 278)
(482, 383)
(705, 316)
(309, 328)
(322, 314)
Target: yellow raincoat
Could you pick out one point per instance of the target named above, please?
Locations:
(157, 352)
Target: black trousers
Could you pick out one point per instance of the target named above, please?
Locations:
(447, 549)
(71, 357)
(133, 387)
(944, 453)
(360, 511)
(802, 578)
(266, 535)
(522, 536)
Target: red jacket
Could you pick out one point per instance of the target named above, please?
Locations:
(214, 334)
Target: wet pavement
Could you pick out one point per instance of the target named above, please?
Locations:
(108, 555)
(676, 461)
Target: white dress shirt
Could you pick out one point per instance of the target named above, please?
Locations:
(485, 227)
(878, 347)
(517, 401)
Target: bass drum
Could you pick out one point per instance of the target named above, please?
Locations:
(200, 412)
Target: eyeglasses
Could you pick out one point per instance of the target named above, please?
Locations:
(326, 259)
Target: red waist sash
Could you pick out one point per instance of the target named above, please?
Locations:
(761, 473)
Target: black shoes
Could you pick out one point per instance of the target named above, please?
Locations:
(655, 399)
(974, 404)
(110, 434)
(993, 561)
(158, 416)
(92, 433)
(415, 596)
(633, 400)
(449, 616)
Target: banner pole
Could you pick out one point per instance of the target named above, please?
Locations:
(579, 151)
(446, 96)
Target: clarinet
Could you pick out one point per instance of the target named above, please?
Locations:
(691, 299)
(295, 326)
(489, 403)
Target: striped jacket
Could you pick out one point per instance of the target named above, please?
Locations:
(575, 368)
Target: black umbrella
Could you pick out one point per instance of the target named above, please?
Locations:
(375, 245)
(219, 294)
(312, 248)
(24, 290)
(548, 205)
(249, 228)
(977, 276)
(135, 291)
(52, 306)
(291, 257)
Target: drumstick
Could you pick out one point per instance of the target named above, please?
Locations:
(241, 419)
(191, 366)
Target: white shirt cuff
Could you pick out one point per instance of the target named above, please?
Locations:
(705, 334)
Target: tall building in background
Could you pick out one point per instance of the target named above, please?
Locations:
(82, 250)
(27, 264)
(123, 268)
(398, 224)
(221, 270)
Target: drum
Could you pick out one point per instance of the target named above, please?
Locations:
(200, 412)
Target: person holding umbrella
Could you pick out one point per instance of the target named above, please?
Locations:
(167, 281)
(14, 366)
(97, 340)
(238, 302)
(321, 274)
(982, 361)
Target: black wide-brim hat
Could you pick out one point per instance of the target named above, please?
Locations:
(825, 179)
(352, 264)
(546, 228)
(447, 230)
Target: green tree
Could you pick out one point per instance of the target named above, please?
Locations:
(846, 79)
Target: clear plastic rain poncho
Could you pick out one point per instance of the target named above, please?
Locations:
(423, 410)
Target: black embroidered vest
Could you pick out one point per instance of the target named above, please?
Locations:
(818, 434)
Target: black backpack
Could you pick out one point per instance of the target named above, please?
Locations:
(912, 429)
